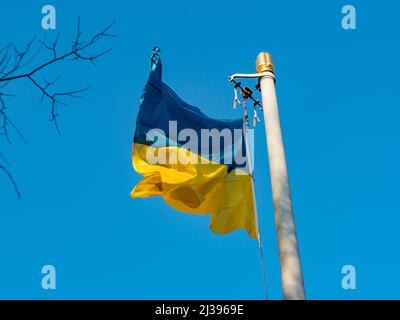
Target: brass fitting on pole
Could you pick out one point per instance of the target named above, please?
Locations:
(264, 63)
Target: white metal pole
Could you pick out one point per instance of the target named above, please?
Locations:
(291, 273)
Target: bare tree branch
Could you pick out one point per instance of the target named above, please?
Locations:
(9, 175)
(77, 52)
(13, 61)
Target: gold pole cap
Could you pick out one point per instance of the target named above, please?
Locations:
(264, 63)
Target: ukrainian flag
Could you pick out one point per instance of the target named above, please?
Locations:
(198, 180)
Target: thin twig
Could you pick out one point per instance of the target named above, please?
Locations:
(11, 178)
(12, 61)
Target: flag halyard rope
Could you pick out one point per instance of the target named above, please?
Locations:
(260, 245)
(247, 93)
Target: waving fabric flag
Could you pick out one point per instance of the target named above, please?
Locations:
(196, 163)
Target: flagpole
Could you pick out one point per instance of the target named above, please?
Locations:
(291, 273)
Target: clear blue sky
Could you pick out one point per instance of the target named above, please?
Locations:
(339, 104)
